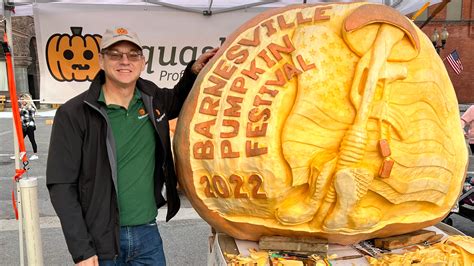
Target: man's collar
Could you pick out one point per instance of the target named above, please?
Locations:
(96, 87)
(136, 96)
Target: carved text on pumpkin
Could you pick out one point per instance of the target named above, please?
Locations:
(259, 115)
(235, 186)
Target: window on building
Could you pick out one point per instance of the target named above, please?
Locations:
(454, 10)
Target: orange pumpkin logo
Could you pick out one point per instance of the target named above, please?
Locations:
(73, 57)
(121, 31)
(141, 111)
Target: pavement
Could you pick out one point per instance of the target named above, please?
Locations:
(185, 237)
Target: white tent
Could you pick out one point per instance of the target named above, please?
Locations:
(24, 7)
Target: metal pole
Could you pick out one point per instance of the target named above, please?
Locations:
(29, 196)
(20, 218)
(8, 31)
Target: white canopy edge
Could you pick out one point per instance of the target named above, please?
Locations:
(24, 7)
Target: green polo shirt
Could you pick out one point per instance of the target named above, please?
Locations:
(135, 150)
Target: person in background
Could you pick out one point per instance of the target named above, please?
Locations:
(27, 114)
(110, 165)
(467, 120)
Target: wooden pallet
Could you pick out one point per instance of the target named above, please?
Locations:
(298, 244)
(405, 240)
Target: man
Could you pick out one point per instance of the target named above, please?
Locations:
(110, 164)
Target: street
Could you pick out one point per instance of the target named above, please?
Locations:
(185, 237)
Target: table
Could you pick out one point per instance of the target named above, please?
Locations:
(221, 243)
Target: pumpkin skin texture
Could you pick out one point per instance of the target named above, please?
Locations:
(73, 57)
(336, 121)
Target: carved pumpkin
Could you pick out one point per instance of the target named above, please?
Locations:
(334, 120)
(73, 58)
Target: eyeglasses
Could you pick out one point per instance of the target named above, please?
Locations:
(116, 55)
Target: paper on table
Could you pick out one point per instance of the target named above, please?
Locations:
(245, 245)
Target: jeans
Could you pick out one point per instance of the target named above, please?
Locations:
(139, 245)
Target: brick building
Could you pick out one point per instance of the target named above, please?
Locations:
(458, 18)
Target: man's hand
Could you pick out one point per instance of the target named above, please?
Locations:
(202, 60)
(92, 261)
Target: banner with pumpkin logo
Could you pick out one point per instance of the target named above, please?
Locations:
(69, 35)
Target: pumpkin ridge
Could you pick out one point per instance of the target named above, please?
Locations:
(61, 72)
(48, 62)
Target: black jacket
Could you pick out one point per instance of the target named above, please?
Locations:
(81, 171)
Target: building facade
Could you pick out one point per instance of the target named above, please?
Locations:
(457, 17)
(25, 58)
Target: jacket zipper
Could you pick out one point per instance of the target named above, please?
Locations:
(111, 151)
(149, 103)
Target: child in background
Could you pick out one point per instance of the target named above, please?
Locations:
(27, 113)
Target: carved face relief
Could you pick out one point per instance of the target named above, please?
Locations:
(334, 120)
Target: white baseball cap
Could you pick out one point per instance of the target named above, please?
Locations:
(118, 34)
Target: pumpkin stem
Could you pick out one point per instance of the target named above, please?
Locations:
(76, 31)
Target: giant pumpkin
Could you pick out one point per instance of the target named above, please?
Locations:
(336, 120)
(73, 57)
